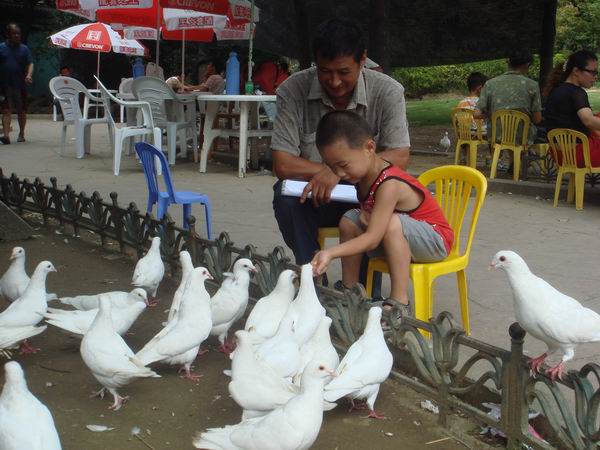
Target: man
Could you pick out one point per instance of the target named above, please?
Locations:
(512, 90)
(338, 82)
(16, 71)
(213, 81)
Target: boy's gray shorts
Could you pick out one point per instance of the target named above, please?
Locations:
(426, 245)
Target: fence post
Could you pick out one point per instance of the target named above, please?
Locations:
(514, 415)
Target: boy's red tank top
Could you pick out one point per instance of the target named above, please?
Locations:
(428, 211)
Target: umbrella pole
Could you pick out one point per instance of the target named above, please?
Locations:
(157, 33)
(250, 46)
(97, 78)
(183, 62)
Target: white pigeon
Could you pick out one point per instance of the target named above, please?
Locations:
(118, 299)
(15, 280)
(109, 358)
(266, 315)
(296, 425)
(78, 322)
(306, 311)
(186, 268)
(186, 332)
(445, 142)
(365, 366)
(149, 271)
(230, 301)
(28, 310)
(319, 347)
(281, 351)
(556, 319)
(254, 385)
(25, 422)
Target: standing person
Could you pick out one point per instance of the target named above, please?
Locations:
(337, 82)
(512, 90)
(398, 217)
(16, 72)
(568, 106)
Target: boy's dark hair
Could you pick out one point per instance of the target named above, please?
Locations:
(347, 125)
(519, 57)
(218, 65)
(338, 37)
(475, 79)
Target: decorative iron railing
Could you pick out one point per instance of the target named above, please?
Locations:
(450, 368)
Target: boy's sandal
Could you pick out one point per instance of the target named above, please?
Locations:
(399, 310)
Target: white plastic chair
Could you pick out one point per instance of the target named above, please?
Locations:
(67, 90)
(157, 93)
(125, 88)
(128, 132)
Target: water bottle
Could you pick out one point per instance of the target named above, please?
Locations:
(138, 68)
(232, 75)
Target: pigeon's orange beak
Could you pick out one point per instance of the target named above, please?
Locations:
(254, 269)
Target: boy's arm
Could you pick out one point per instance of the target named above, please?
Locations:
(388, 195)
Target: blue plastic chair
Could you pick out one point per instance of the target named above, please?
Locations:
(147, 154)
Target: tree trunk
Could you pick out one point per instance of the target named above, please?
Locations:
(548, 37)
(378, 33)
(303, 34)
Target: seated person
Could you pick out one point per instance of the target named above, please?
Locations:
(398, 217)
(568, 106)
(337, 82)
(475, 82)
(213, 79)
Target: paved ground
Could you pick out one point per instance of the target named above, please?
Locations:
(560, 244)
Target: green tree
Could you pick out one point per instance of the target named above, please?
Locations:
(578, 25)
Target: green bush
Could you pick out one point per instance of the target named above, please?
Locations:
(419, 81)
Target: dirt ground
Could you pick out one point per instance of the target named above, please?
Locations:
(170, 411)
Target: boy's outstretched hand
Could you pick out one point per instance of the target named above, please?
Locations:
(320, 262)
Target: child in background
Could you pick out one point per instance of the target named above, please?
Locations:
(475, 82)
(398, 217)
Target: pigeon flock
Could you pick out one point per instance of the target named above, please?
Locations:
(284, 372)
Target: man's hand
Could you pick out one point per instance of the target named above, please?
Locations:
(321, 185)
(364, 218)
(320, 262)
(28, 79)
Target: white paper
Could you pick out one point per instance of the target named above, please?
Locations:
(341, 193)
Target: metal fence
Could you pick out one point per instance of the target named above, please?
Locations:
(455, 371)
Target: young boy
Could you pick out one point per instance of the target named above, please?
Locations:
(475, 82)
(398, 217)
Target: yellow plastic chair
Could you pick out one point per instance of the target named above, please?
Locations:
(462, 121)
(327, 232)
(563, 142)
(505, 137)
(453, 188)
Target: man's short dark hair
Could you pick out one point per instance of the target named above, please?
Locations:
(12, 26)
(519, 58)
(347, 125)
(218, 65)
(338, 37)
(475, 79)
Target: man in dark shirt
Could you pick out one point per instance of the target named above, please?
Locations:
(16, 70)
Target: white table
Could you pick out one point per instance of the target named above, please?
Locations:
(210, 133)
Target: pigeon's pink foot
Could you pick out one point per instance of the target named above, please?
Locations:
(152, 301)
(118, 402)
(189, 375)
(227, 348)
(357, 406)
(201, 352)
(536, 363)
(556, 371)
(100, 393)
(373, 415)
(27, 348)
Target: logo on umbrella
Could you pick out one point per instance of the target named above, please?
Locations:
(94, 35)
